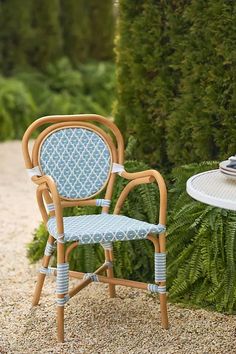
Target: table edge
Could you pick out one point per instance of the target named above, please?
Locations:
(202, 197)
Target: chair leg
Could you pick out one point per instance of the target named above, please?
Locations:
(41, 276)
(60, 324)
(160, 276)
(110, 274)
(38, 289)
(62, 288)
(164, 314)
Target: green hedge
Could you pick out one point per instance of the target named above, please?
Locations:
(35, 33)
(176, 67)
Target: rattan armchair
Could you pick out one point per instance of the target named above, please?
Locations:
(72, 160)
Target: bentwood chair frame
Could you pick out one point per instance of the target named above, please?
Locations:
(51, 204)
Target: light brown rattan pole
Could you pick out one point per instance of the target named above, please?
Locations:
(39, 195)
(103, 279)
(69, 249)
(109, 253)
(155, 242)
(41, 277)
(127, 190)
(110, 274)
(84, 282)
(60, 260)
(162, 189)
(163, 299)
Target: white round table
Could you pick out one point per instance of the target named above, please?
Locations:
(213, 188)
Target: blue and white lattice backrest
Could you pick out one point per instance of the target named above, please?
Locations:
(78, 159)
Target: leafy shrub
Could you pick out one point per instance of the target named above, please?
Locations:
(60, 90)
(99, 83)
(6, 124)
(17, 108)
(62, 77)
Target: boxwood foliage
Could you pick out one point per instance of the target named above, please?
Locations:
(176, 65)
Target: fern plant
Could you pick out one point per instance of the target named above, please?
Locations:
(201, 248)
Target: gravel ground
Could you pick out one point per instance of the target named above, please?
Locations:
(94, 323)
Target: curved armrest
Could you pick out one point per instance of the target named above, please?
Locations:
(51, 185)
(143, 177)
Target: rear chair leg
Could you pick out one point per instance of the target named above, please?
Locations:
(110, 274)
(42, 273)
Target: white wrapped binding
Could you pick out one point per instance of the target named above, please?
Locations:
(117, 168)
(35, 171)
(50, 207)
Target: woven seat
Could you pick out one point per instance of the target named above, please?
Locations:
(75, 161)
(103, 228)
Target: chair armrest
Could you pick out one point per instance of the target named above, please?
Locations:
(144, 177)
(51, 186)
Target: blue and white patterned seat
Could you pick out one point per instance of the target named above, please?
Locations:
(103, 228)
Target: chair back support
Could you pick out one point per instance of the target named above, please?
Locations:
(78, 159)
(78, 155)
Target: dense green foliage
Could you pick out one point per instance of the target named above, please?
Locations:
(102, 26)
(17, 108)
(46, 36)
(60, 90)
(201, 243)
(35, 33)
(176, 68)
(15, 34)
(76, 30)
(54, 59)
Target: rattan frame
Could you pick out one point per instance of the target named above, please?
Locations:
(47, 193)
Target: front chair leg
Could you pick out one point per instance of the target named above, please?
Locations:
(62, 288)
(60, 323)
(160, 277)
(164, 314)
(43, 271)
